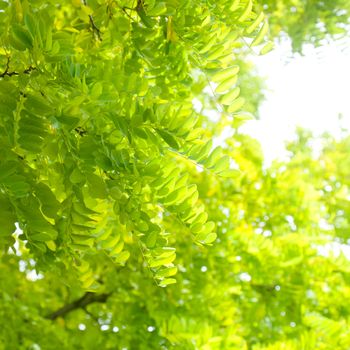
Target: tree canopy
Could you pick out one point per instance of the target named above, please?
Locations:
(308, 21)
(121, 225)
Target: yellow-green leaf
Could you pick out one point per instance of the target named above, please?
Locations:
(260, 37)
(247, 11)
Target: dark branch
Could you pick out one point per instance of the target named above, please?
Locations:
(6, 71)
(95, 29)
(261, 288)
(81, 303)
(79, 130)
(124, 10)
(10, 74)
(137, 8)
(29, 70)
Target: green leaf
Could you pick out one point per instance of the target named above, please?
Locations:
(200, 151)
(255, 23)
(83, 240)
(226, 73)
(247, 11)
(40, 237)
(158, 10)
(230, 173)
(175, 196)
(200, 228)
(77, 177)
(214, 156)
(70, 121)
(235, 5)
(21, 38)
(200, 219)
(167, 281)
(216, 52)
(122, 257)
(166, 272)
(7, 218)
(236, 105)
(230, 96)
(267, 48)
(117, 248)
(242, 117)
(37, 105)
(168, 138)
(162, 261)
(96, 90)
(260, 37)
(226, 84)
(51, 245)
(97, 186)
(206, 238)
(222, 164)
(49, 204)
(208, 44)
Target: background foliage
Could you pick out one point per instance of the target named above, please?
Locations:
(308, 21)
(109, 172)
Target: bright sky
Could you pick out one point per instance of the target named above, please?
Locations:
(308, 91)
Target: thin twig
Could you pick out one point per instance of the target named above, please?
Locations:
(10, 74)
(29, 70)
(95, 29)
(6, 71)
(91, 314)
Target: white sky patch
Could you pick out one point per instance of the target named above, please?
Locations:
(32, 275)
(334, 248)
(226, 133)
(151, 329)
(197, 105)
(245, 277)
(310, 91)
(16, 245)
(204, 269)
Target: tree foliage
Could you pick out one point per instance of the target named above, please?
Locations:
(308, 21)
(109, 172)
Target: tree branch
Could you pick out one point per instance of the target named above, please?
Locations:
(95, 29)
(10, 74)
(81, 303)
(28, 70)
(6, 71)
